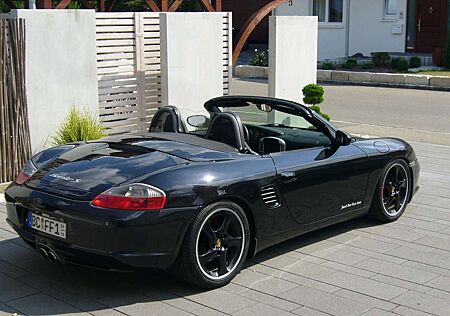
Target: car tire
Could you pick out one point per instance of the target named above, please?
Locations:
(392, 192)
(215, 246)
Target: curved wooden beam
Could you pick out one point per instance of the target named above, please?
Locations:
(250, 25)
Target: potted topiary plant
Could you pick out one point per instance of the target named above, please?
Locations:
(313, 96)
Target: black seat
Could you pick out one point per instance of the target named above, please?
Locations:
(227, 128)
(167, 119)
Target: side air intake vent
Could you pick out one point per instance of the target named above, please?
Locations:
(270, 196)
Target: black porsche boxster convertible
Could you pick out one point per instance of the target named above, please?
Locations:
(201, 199)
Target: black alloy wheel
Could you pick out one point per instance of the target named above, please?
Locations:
(215, 246)
(220, 243)
(392, 194)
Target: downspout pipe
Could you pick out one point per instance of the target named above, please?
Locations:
(32, 4)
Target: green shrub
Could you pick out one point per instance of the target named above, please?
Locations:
(349, 64)
(327, 66)
(415, 62)
(259, 59)
(78, 126)
(400, 64)
(313, 94)
(317, 109)
(367, 66)
(380, 59)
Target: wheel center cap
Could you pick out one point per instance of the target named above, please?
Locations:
(218, 243)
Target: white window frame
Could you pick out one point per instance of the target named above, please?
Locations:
(386, 14)
(327, 13)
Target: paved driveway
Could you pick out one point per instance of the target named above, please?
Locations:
(354, 268)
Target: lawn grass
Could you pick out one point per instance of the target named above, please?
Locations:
(445, 73)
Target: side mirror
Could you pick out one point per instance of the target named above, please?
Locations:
(342, 138)
(198, 121)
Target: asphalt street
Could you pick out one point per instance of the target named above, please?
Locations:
(414, 115)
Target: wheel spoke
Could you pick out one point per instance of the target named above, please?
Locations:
(395, 174)
(207, 257)
(223, 263)
(389, 202)
(401, 184)
(210, 233)
(233, 242)
(397, 203)
(226, 222)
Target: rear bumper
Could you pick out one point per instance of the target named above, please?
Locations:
(106, 239)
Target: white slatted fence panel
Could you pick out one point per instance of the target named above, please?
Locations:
(128, 68)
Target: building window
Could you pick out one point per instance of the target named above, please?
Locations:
(328, 10)
(390, 8)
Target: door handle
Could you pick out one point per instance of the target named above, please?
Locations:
(288, 176)
(419, 25)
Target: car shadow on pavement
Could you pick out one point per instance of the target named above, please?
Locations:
(31, 285)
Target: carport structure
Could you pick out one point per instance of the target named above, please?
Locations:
(161, 6)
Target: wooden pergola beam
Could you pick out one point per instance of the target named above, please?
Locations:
(63, 4)
(164, 5)
(218, 5)
(175, 5)
(207, 6)
(153, 5)
(111, 5)
(101, 6)
(250, 25)
(44, 4)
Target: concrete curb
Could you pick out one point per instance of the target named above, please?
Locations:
(408, 81)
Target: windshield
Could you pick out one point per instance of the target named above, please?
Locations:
(253, 115)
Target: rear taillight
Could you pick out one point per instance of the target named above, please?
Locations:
(26, 173)
(137, 196)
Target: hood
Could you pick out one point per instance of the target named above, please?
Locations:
(93, 167)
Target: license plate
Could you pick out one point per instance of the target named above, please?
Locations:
(46, 225)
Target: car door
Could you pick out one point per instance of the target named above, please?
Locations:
(320, 183)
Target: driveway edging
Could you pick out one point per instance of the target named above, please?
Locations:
(409, 81)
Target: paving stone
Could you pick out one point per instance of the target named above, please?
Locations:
(306, 311)
(324, 75)
(11, 270)
(262, 309)
(107, 312)
(41, 304)
(442, 283)
(363, 285)
(401, 283)
(369, 300)
(396, 270)
(439, 81)
(406, 311)
(432, 226)
(6, 310)
(206, 311)
(12, 289)
(226, 302)
(378, 312)
(348, 269)
(436, 241)
(423, 302)
(263, 283)
(363, 243)
(426, 267)
(340, 75)
(151, 308)
(417, 80)
(431, 256)
(271, 300)
(298, 279)
(325, 302)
